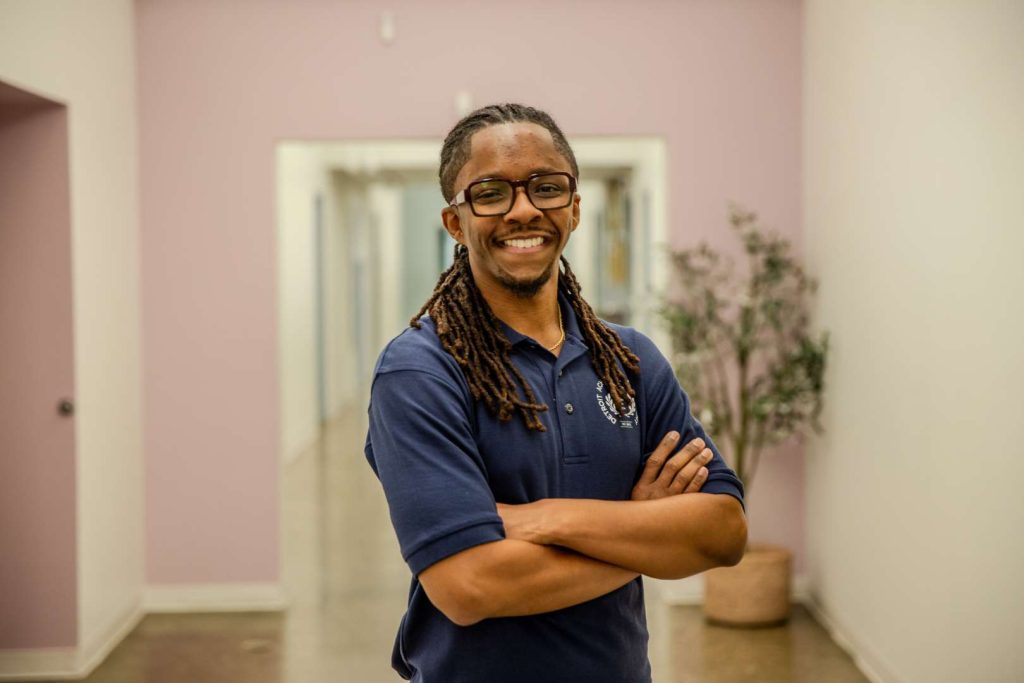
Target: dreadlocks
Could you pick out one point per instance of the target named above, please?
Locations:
(470, 331)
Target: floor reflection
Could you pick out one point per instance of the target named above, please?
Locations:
(799, 652)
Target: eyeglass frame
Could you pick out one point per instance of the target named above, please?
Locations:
(516, 184)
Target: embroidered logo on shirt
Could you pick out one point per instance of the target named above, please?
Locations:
(607, 405)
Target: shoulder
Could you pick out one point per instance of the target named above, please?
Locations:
(657, 378)
(418, 350)
(640, 344)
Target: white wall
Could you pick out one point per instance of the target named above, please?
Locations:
(83, 54)
(300, 177)
(385, 205)
(914, 218)
(358, 218)
(341, 360)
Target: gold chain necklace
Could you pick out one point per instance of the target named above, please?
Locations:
(560, 329)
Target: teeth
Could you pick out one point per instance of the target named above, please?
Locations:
(524, 244)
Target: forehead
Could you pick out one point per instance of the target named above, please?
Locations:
(511, 150)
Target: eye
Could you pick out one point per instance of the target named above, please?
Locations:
(490, 192)
(548, 189)
(553, 187)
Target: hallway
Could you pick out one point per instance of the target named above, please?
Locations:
(347, 586)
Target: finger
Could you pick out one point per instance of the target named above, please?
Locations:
(697, 481)
(657, 459)
(686, 475)
(678, 461)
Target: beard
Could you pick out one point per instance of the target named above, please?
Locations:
(525, 289)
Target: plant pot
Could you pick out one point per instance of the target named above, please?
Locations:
(753, 593)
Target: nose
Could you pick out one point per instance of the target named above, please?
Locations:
(523, 211)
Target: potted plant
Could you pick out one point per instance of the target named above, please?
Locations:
(754, 372)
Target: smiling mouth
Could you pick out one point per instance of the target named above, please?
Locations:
(523, 243)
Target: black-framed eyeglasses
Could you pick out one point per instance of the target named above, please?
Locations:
(495, 196)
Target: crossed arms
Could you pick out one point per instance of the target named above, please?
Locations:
(561, 552)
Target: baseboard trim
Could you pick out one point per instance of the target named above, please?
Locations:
(40, 664)
(67, 664)
(75, 663)
(690, 591)
(216, 597)
(864, 658)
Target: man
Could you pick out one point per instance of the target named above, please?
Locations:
(526, 447)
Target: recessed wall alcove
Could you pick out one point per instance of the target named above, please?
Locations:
(38, 555)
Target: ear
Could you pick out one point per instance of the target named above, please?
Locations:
(453, 223)
(575, 211)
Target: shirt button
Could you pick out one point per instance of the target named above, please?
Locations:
(561, 372)
(569, 408)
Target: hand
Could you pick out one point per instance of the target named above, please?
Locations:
(683, 472)
(524, 522)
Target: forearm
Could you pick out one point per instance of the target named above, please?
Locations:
(666, 538)
(516, 578)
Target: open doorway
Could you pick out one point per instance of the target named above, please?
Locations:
(360, 247)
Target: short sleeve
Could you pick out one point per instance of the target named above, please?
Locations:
(420, 444)
(668, 408)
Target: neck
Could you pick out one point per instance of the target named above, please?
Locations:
(535, 316)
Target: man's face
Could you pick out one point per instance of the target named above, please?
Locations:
(512, 151)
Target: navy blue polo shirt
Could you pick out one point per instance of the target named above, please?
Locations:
(444, 463)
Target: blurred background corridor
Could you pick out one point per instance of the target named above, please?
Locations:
(214, 214)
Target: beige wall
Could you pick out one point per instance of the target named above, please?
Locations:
(82, 54)
(914, 219)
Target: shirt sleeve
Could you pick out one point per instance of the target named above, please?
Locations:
(421, 446)
(668, 408)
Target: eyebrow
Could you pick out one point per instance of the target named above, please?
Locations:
(533, 171)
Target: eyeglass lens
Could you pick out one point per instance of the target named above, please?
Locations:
(494, 197)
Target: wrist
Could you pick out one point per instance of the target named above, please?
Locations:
(557, 515)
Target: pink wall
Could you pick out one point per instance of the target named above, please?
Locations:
(38, 558)
(221, 82)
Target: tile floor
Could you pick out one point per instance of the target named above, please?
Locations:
(347, 586)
